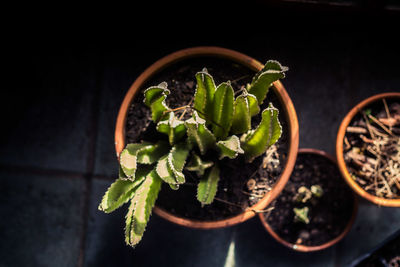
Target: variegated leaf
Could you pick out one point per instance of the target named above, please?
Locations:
(128, 158)
(173, 127)
(199, 134)
(121, 191)
(208, 185)
(230, 147)
(197, 165)
(154, 98)
(141, 207)
(169, 168)
(143, 153)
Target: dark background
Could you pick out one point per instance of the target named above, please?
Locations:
(67, 71)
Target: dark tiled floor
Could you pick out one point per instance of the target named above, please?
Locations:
(57, 157)
(42, 220)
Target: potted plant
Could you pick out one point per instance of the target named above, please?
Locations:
(368, 149)
(193, 135)
(315, 210)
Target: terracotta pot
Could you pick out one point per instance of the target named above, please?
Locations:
(252, 64)
(339, 151)
(304, 248)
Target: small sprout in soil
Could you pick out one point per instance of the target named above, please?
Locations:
(303, 194)
(309, 197)
(301, 215)
(317, 191)
(219, 127)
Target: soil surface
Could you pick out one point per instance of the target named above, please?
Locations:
(328, 215)
(371, 148)
(235, 193)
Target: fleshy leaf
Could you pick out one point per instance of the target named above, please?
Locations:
(263, 80)
(173, 127)
(230, 147)
(141, 207)
(152, 153)
(197, 165)
(257, 141)
(208, 185)
(176, 160)
(154, 98)
(253, 105)
(164, 170)
(241, 121)
(121, 191)
(128, 158)
(222, 110)
(204, 95)
(169, 168)
(199, 134)
(270, 65)
(301, 215)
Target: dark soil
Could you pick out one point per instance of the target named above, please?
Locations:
(233, 195)
(328, 214)
(376, 179)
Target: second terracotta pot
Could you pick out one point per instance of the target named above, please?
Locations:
(304, 248)
(250, 63)
(339, 150)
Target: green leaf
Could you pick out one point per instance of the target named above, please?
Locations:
(173, 127)
(230, 147)
(208, 185)
(141, 207)
(263, 80)
(263, 83)
(222, 110)
(241, 121)
(253, 105)
(164, 171)
(274, 65)
(169, 167)
(204, 95)
(317, 190)
(197, 165)
(144, 153)
(128, 158)
(154, 98)
(199, 134)
(152, 153)
(257, 141)
(121, 191)
(177, 159)
(270, 65)
(301, 215)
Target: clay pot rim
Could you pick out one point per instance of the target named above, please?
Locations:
(339, 151)
(248, 62)
(303, 248)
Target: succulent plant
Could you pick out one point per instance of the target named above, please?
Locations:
(307, 197)
(216, 120)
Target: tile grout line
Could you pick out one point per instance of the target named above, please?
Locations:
(90, 162)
